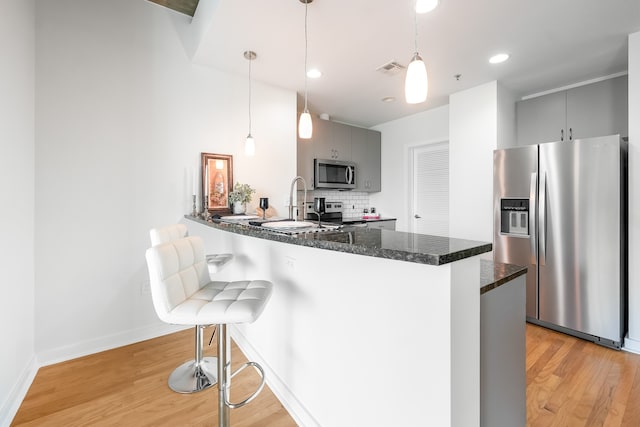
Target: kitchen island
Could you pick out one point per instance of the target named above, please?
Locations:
(365, 326)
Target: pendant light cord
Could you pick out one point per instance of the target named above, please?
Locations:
(306, 5)
(250, 60)
(415, 24)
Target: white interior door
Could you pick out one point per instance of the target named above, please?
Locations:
(430, 189)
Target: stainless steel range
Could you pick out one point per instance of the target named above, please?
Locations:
(333, 212)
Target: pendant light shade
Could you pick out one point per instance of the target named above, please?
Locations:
(305, 126)
(426, 6)
(249, 143)
(416, 84)
(249, 146)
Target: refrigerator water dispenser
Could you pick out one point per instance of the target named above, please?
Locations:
(514, 218)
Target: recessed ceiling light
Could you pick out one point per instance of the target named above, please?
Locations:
(314, 73)
(424, 6)
(501, 57)
(388, 99)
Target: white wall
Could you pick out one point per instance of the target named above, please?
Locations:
(17, 358)
(481, 119)
(632, 342)
(473, 137)
(122, 116)
(398, 136)
(506, 118)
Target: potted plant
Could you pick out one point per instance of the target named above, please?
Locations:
(240, 196)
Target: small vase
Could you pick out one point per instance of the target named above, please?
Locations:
(239, 208)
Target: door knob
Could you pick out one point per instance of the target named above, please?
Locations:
(416, 216)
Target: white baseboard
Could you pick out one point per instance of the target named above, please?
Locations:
(296, 409)
(84, 348)
(631, 345)
(10, 407)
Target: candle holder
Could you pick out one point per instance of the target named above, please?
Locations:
(205, 213)
(194, 211)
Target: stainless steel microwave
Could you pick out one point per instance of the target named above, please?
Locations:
(334, 174)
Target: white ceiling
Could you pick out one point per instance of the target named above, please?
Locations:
(552, 43)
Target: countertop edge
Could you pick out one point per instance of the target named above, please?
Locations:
(392, 254)
(495, 274)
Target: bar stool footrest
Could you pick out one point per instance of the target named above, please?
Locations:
(254, 394)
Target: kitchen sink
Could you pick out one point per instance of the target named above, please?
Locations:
(279, 225)
(282, 226)
(297, 227)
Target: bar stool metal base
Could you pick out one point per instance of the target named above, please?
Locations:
(197, 374)
(225, 375)
(189, 378)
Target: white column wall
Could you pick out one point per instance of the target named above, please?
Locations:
(17, 357)
(122, 117)
(632, 341)
(506, 118)
(473, 135)
(398, 136)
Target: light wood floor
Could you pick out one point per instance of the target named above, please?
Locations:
(127, 386)
(570, 382)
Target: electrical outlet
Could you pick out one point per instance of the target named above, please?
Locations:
(145, 287)
(290, 262)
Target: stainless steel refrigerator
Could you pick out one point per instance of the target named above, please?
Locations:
(560, 209)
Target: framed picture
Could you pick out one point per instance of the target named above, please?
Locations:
(217, 182)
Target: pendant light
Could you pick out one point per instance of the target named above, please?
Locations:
(305, 126)
(426, 6)
(416, 84)
(249, 143)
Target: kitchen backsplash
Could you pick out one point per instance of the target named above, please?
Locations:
(354, 201)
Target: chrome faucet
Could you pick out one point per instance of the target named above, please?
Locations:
(304, 206)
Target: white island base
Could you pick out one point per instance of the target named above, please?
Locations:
(353, 340)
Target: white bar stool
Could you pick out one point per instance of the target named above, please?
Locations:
(183, 294)
(171, 232)
(200, 372)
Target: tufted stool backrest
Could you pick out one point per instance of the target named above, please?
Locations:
(168, 233)
(177, 270)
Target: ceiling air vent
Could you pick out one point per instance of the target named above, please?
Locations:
(390, 68)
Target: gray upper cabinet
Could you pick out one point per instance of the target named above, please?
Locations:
(541, 119)
(598, 109)
(366, 153)
(586, 111)
(337, 141)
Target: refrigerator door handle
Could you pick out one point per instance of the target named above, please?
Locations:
(542, 211)
(533, 196)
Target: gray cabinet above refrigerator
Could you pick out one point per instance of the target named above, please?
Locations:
(581, 112)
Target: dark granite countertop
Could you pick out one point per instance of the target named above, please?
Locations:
(496, 274)
(396, 245)
(360, 219)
